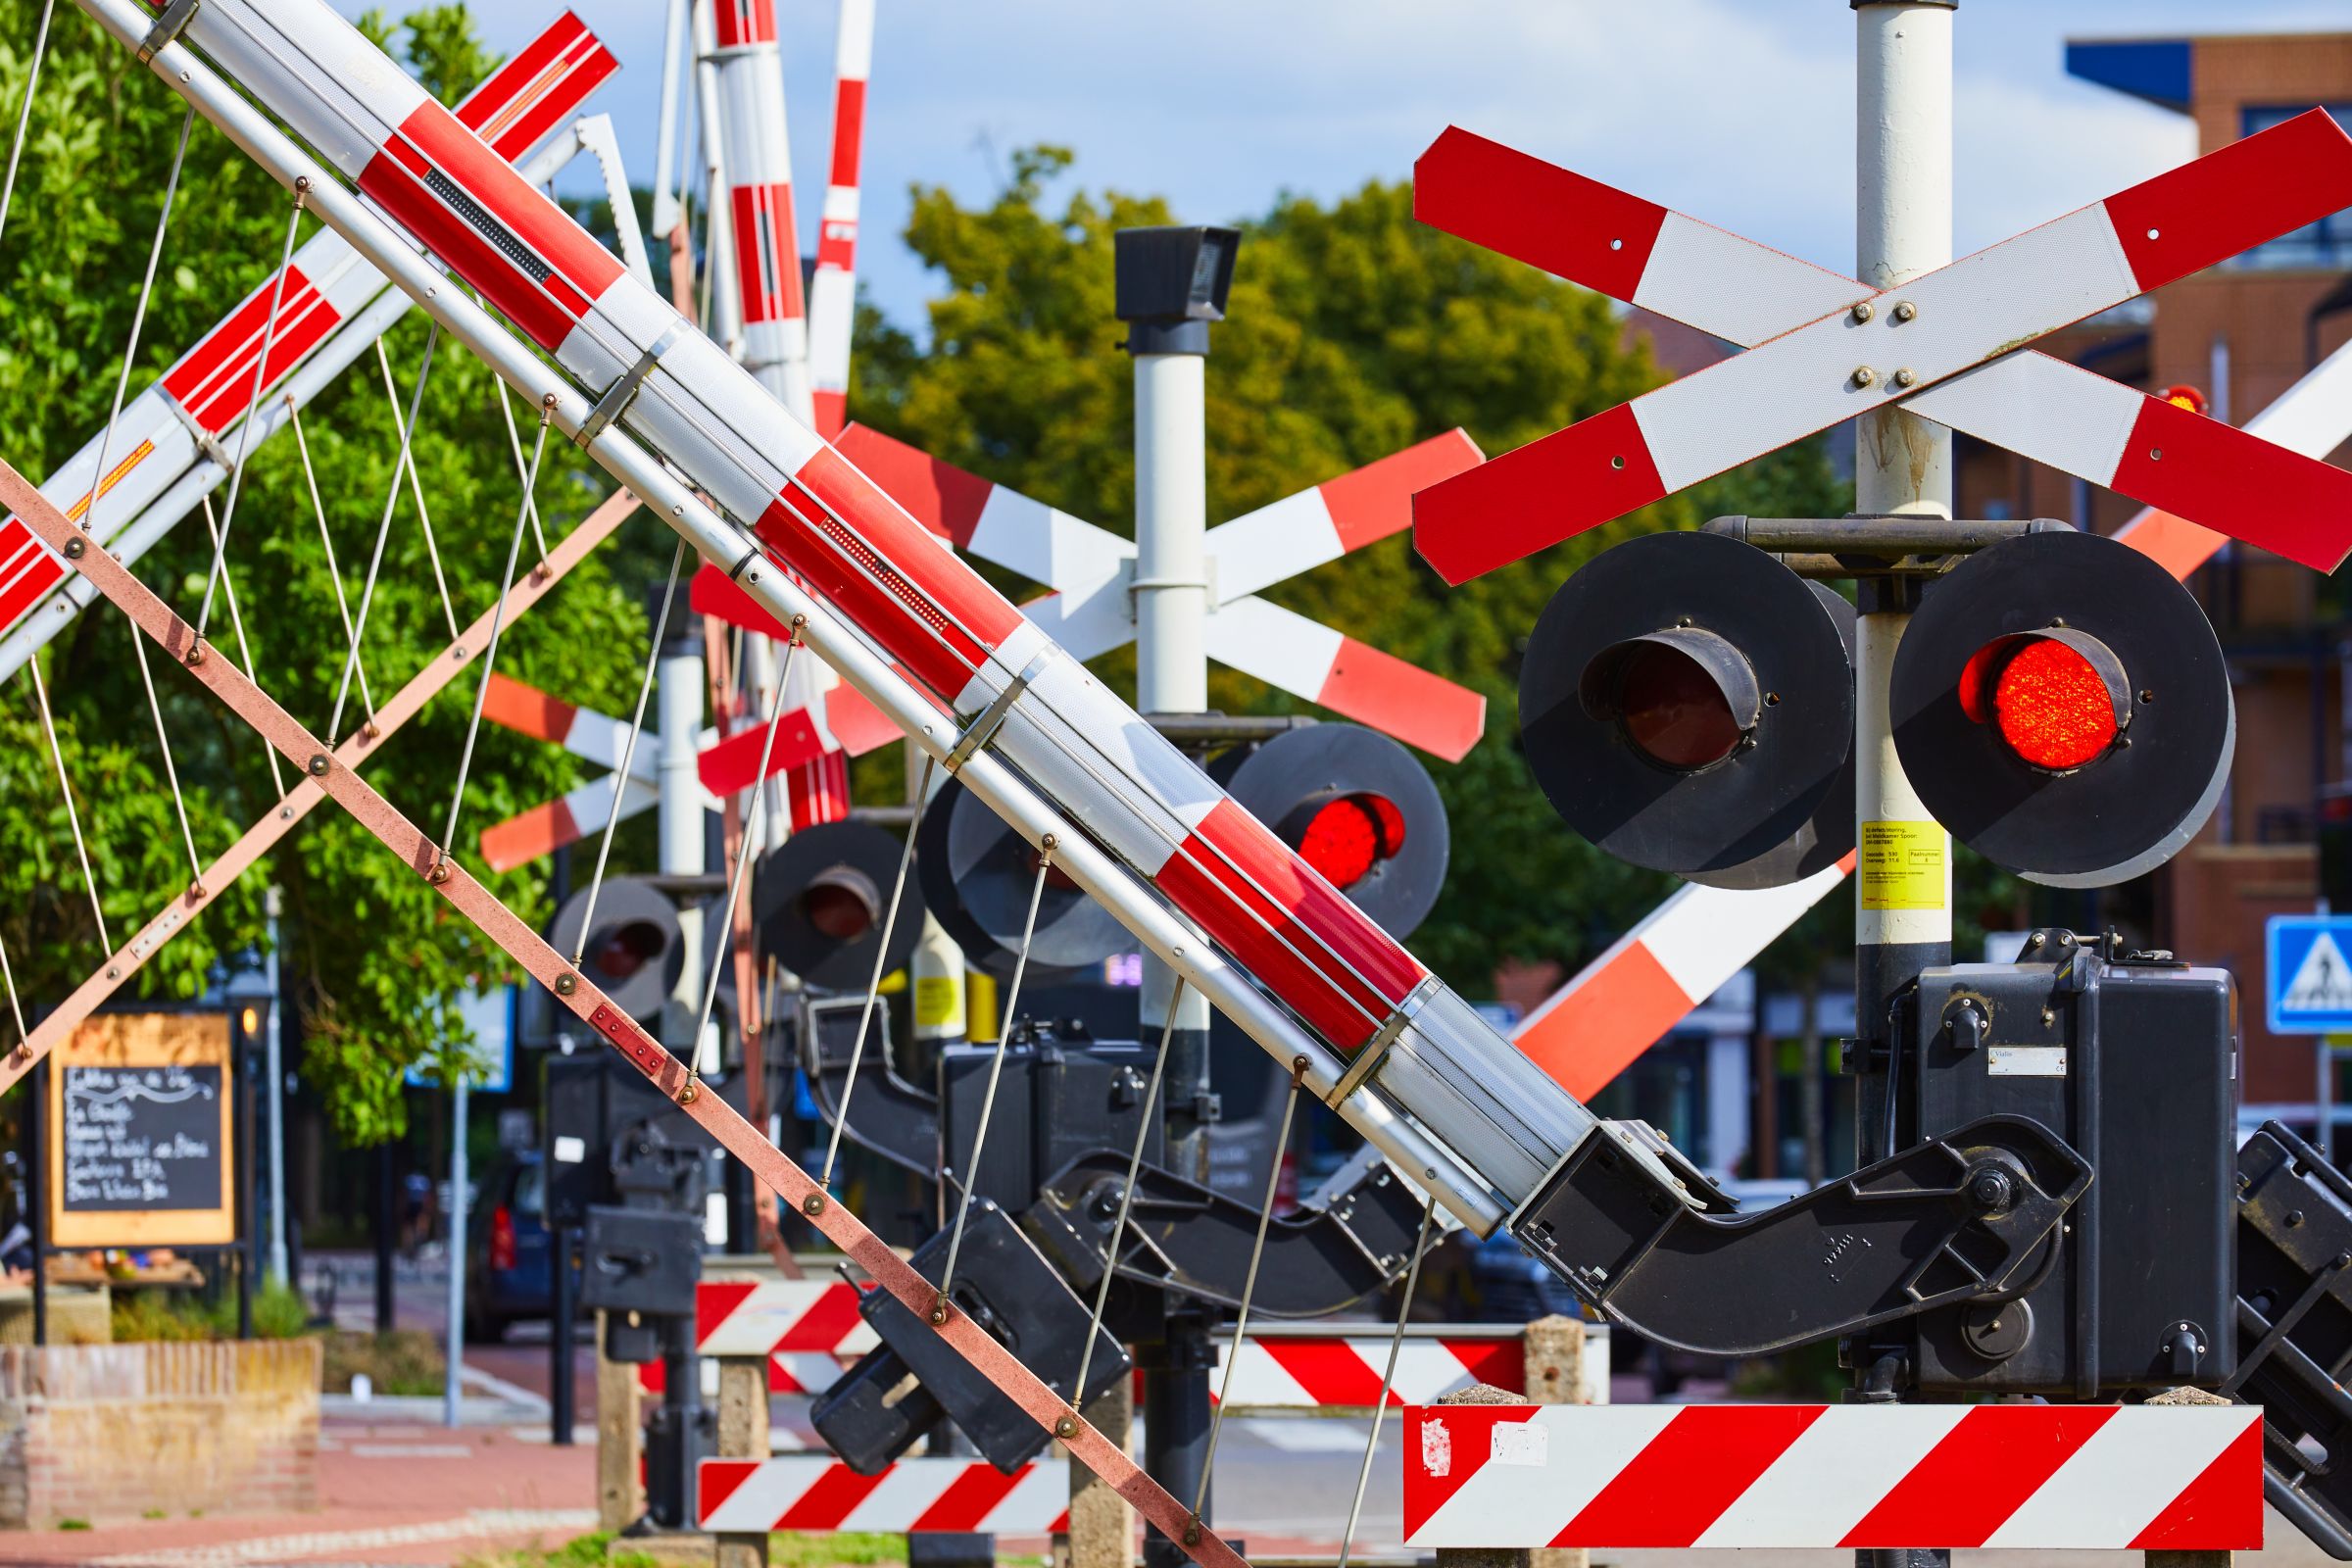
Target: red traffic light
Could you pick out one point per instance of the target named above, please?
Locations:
(2061, 705)
(1347, 837)
(2057, 700)
(1357, 806)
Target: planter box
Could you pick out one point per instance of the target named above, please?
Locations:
(114, 1431)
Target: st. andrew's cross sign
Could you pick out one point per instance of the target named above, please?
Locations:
(1950, 345)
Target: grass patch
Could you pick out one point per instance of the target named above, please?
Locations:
(172, 1316)
(403, 1361)
(583, 1551)
(73, 1524)
(790, 1550)
(795, 1548)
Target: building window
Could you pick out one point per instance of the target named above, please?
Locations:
(2323, 246)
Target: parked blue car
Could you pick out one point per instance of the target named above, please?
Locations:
(509, 1254)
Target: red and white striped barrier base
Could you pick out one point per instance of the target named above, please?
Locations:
(818, 1493)
(809, 1331)
(759, 1317)
(1332, 1371)
(2183, 1478)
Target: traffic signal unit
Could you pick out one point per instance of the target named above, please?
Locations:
(1688, 703)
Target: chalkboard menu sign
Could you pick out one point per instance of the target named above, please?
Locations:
(139, 1138)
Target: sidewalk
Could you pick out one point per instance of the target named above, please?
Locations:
(389, 1493)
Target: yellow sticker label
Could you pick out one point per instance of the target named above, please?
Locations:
(1901, 865)
(938, 999)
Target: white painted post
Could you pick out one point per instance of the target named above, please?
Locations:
(1171, 607)
(1902, 465)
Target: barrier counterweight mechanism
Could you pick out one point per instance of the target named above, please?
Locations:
(1977, 1202)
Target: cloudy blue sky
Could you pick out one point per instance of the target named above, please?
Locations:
(1733, 111)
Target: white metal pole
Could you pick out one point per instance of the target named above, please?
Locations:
(450, 1395)
(1903, 464)
(680, 820)
(273, 904)
(672, 110)
(1172, 614)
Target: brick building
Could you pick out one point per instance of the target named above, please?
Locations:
(2241, 334)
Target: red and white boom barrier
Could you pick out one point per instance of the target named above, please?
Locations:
(179, 438)
(833, 287)
(1297, 1368)
(1045, 745)
(2139, 1478)
(810, 1492)
(758, 169)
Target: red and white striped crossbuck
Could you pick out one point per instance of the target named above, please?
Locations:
(574, 814)
(2185, 1478)
(833, 287)
(1947, 345)
(1624, 1000)
(819, 739)
(179, 438)
(1091, 612)
(816, 1493)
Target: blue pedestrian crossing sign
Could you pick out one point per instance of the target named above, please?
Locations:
(2310, 973)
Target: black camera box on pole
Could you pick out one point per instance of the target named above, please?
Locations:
(2133, 1063)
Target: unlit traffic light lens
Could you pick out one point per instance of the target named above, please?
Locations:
(627, 948)
(836, 912)
(1673, 710)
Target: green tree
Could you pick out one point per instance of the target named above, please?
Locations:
(1352, 330)
(374, 959)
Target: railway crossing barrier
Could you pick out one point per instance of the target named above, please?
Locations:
(763, 1338)
(2144, 1478)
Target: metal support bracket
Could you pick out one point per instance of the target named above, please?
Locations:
(621, 393)
(168, 28)
(984, 729)
(1375, 1049)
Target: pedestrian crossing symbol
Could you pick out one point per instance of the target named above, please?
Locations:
(2309, 977)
